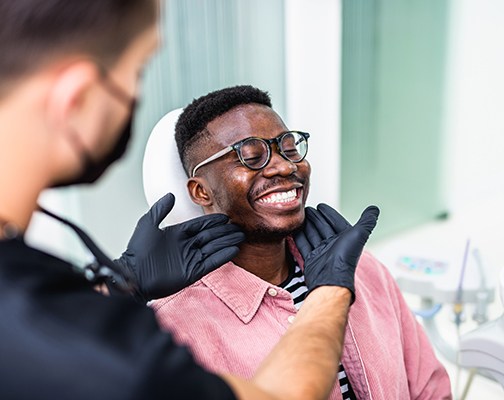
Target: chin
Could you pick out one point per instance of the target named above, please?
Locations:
(271, 233)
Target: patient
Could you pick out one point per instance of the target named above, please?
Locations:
(243, 161)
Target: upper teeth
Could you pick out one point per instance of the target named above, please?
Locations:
(279, 197)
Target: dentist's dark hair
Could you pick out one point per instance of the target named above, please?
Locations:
(191, 125)
(34, 33)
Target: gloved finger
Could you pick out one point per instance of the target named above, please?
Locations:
(303, 244)
(312, 235)
(216, 233)
(368, 219)
(220, 243)
(194, 226)
(159, 210)
(352, 242)
(324, 229)
(215, 260)
(163, 286)
(334, 218)
(311, 230)
(153, 283)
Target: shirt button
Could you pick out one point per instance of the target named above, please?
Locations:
(291, 319)
(272, 292)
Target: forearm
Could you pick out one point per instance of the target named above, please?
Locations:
(304, 364)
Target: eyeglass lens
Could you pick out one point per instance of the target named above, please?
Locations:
(255, 153)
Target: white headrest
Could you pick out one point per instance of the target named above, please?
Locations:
(163, 171)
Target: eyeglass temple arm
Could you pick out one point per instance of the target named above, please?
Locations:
(211, 158)
(304, 137)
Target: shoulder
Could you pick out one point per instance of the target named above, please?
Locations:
(187, 311)
(375, 286)
(116, 343)
(58, 328)
(370, 269)
(189, 293)
(224, 286)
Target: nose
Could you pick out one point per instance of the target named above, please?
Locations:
(278, 165)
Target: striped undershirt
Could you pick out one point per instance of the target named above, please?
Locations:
(295, 285)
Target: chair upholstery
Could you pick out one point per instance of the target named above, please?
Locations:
(163, 171)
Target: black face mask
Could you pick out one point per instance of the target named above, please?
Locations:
(94, 169)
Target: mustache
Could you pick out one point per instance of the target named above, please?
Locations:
(275, 181)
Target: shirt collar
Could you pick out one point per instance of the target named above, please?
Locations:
(242, 291)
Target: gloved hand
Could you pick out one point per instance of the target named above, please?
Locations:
(331, 247)
(167, 260)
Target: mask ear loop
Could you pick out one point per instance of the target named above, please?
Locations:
(103, 270)
(116, 90)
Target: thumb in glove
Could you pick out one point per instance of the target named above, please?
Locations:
(331, 247)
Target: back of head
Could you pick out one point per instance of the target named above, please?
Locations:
(191, 125)
(35, 33)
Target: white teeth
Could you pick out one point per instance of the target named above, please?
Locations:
(279, 197)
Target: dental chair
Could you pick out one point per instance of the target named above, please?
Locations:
(483, 348)
(163, 171)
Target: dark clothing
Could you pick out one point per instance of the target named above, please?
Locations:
(61, 339)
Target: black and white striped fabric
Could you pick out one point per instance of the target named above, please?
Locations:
(295, 285)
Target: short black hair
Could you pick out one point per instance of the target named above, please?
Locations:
(36, 32)
(203, 110)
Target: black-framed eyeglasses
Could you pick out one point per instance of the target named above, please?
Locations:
(255, 153)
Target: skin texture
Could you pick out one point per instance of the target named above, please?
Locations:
(226, 186)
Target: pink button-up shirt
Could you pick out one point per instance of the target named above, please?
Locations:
(231, 319)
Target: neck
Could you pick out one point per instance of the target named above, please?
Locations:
(268, 261)
(18, 199)
(23, 172)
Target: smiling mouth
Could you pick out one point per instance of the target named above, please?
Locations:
(279, 197)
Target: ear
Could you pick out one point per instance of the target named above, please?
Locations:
(199, 192)
(70, 86)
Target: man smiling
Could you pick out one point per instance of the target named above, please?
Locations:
(244, 162)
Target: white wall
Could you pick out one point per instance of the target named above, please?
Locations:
(475, 102)
(313, 50)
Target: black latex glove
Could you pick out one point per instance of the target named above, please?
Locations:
(167, 260)
(331, 247)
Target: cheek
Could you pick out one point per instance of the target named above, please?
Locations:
(230, 194)
(304, 170)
